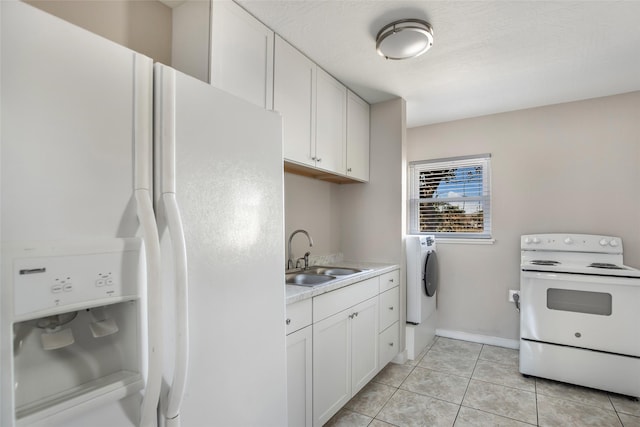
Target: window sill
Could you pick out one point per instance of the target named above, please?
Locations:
(465, 241)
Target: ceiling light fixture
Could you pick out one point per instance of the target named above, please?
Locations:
(404, 39)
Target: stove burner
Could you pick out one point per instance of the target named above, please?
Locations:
(544, 262)
(606, 265)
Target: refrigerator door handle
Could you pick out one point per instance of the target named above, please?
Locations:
(171, 403)
(143, 119)
(148, 412)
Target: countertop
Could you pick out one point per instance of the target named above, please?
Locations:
(295, 293)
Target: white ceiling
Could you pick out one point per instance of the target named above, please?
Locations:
(487, 57)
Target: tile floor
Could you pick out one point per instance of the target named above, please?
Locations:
(459, 383)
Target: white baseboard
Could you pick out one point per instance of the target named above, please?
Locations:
(481, 339)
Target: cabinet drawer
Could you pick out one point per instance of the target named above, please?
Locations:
(332, 302)
(388, 345)
(298, 315)
(389, 280)
(389, 307)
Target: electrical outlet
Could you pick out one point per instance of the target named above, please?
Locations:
(511, 292)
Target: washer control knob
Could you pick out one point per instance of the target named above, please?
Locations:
(613, 243)
(568, 241)
(536, 240)
(604, 242)
(527, 240)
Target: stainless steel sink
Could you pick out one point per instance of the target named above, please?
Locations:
(307, 279)
(318, 274)
(333, 271)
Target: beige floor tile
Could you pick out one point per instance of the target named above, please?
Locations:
(507, 375)
(557, 412)
(625, 404)
(347, 418)
(393, 374)
(469, 417)
(406, 409)
(461, 364)
(436, 384)
(501, 400)
(629, 420)
(370, 399)
(457, 346)
(506, 356)
(574, 393)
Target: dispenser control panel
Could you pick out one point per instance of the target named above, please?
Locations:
(51, 277)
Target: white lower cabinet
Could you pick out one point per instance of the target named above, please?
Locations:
(364, 344)
(354, 333)
(299, 378)
(345, 346)
(389, 341)
(388, 345)
(299, 364)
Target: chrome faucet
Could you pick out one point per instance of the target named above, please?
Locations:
(304, 259)
(290, 260)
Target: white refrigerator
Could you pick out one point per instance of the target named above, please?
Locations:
(142, 239)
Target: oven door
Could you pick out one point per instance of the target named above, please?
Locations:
(592, 312)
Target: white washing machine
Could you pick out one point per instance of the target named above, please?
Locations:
(422, 285)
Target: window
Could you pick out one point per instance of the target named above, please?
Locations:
(450, 197)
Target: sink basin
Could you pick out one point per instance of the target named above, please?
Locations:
(307, 279)
(334, 271)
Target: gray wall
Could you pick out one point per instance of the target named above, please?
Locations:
(312, 205)
(143, 26)
(363, 221)
(366, 222)
(571, 167)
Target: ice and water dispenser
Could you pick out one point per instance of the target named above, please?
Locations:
(73, 322)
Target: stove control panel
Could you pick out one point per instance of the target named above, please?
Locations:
(571, 243)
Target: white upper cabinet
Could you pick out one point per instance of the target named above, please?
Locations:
(325, 126)
(241, 54)
(357, 162)
(294, 97)
(314, 110)
(331, 123)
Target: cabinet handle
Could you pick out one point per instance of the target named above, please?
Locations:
(390, 344)
(288, 321)
(391, 280)
(354, 314)
(318, 159)
(313, 158)
(349, 170)
(391, 308)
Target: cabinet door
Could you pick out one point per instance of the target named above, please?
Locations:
(357, 138)
(331, 123)
(388, 345)
(241, 54)
(364, 343)
(389, 307)
(294, 98)
(299, 375)
(331, 365)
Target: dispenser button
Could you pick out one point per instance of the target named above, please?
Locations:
(68, 287)
(100, 282)
(109, 282)
(56, 288)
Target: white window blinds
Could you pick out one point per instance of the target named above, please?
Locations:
(451, 197)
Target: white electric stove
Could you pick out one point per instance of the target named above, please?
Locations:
(580, 311)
